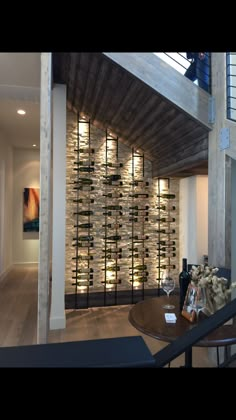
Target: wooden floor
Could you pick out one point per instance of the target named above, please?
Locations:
(18, 319)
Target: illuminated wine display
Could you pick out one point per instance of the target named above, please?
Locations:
(122, 224)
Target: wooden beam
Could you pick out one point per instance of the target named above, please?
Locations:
(44, 216)
(183, 164)
(167, 81)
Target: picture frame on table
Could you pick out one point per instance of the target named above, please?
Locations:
(190, 303)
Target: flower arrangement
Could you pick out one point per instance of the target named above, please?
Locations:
(216, 289)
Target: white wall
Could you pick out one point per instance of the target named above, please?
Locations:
(6, 194)
(25, 174)
(193, 219)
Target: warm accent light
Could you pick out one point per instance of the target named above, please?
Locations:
(34, 145)
(21, 112)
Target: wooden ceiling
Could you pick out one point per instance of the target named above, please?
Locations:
(124, 99)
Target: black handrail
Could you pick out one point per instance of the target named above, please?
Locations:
(199, 70)
(205, 327)
(231, 85)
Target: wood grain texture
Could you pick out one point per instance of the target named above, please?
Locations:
(139, 98)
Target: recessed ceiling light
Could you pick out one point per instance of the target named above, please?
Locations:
(34, 145)
(21, 112)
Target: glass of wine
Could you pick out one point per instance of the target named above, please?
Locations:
(167, 284)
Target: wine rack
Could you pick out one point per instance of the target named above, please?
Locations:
(120, 225)
(138, 216)
(83, 240)
(112, 212)
(166, 229)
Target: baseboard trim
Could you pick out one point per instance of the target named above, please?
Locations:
(26, 263)
(57, 323)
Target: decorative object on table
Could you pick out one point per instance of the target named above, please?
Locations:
(212, 292)
(184, 280)
(194, 302)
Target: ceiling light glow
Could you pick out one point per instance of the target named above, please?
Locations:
(21, 112)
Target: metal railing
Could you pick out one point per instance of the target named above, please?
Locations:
(185, 342)
(231, 85)
(197, 68)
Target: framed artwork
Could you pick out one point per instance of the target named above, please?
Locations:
(31, 210)
(190, 303)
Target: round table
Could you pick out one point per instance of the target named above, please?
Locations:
(148, 317)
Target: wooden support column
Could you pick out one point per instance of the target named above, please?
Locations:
(219, 171)
(45, 169)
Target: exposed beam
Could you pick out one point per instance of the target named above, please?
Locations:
(183, 164)
(167, 81)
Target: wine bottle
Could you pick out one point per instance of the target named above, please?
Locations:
(83, 283)
(85, 181)
(113, 183)
(166, 254)
(84, 163)
(111, 281)
(112, 268)
(83, 244)
(139, 237)
(115, 257)
(139, 195)
(166, 219)
(139, 208)
(84, 169)
(139, 273)
(83, 270)
(84, 212)
(164, 266)
(113, 207)
(167, 231)
(84, 200)
(166, 208)
(113, 213)
(114, 177)
(139, 267)
(112, 225)
(136, 213)
(84, 238)
(84, 225)
(113, 237)
(184, 280)
(140, 255)
(138, 249)
(140, 279)
(113, 195)
(166, 248)
(83, 257)
(83, 276)
(85, 150)
(84, 188)
(140, 183)
(169, 196)
(166, 243)
(110, 250)
(113, 165)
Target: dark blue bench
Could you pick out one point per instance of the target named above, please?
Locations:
(109, 352)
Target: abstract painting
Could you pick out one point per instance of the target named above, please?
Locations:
(31, 210)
